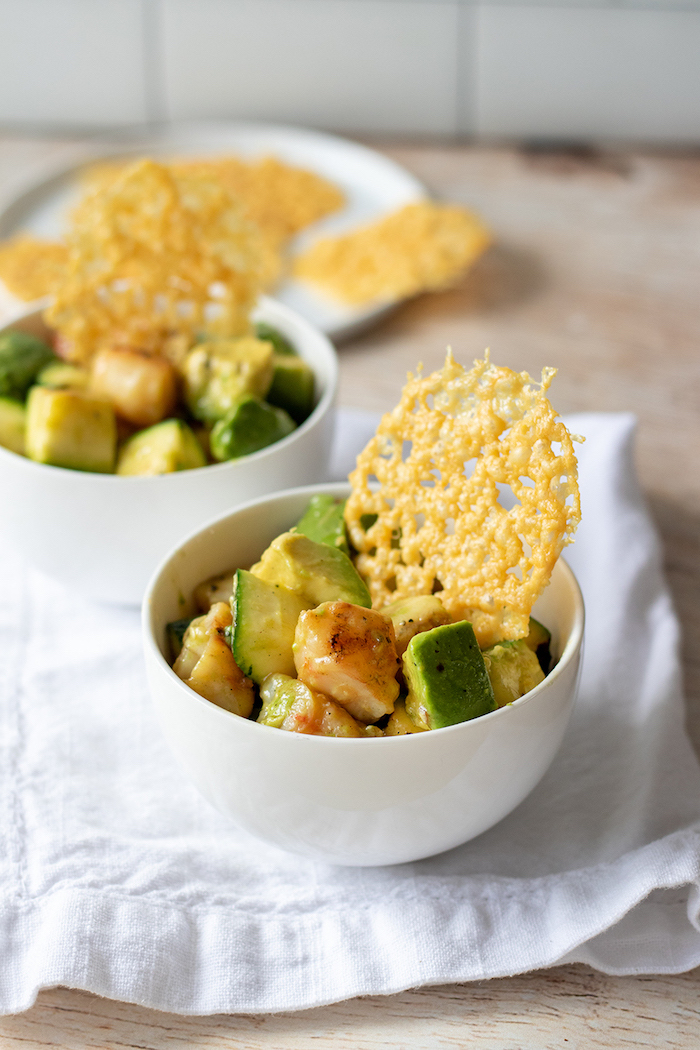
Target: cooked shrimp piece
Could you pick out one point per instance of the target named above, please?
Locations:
(291, 705)
(349, 653)
(206, 663)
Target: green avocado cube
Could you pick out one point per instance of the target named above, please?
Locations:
(446, 677)
(13, 417)
(513, 669)
(22, 356)
(67, 429)
(219, 373)
(161, 449)
(292, 387)
(280, 343)
(323, 521)
(249, 426)
(315, 571)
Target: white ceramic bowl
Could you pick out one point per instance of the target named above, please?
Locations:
(382, 800)
(103, 535)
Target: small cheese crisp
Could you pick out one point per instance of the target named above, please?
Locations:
(151, 253)
(278, 198)
(468, 489)
(422, 247)
(29, 267)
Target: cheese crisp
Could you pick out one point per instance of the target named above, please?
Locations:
(422, 247)
(31, 267)
(278, 198)
(446, 459)
(150, 253)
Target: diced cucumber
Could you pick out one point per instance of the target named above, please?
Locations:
(175, 632)
(13, 419)
(22, 356)
(323, 522)
(446, 677)
(67, 429)
(162, 449)
(264, 620)
(537, 635)
(292, 387)
(539, 640)
(249, 426)
(280, 343)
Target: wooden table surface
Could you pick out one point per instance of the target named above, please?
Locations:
(596, 269)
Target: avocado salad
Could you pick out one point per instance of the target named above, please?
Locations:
(132, 412)
(294, 643)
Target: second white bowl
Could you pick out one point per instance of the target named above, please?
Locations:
(103, 535)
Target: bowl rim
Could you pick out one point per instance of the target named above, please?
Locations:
(322, 407)
(571, 649)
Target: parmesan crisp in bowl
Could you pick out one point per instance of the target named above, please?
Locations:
(375, 672)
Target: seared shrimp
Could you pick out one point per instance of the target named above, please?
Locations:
(206, 663)
(349, 653)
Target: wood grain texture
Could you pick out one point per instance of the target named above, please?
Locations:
(569, 1007)
(596, 269)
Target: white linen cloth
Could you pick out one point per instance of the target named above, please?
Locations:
(116, 877)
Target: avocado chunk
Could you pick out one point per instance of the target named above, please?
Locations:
(280, 343)
(22, 356)
(67, 429)
(162, 449)
(63, 376)
(250, 425)
(264, 620)
(323, 521)
(513, 669)
(13, 418)
(292, 386)
(446, 677)
(291, 705)
(217, 374)
(411, 616)
(315, 571)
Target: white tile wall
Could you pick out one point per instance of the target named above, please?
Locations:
(588, 73)
(567, 69)
(71, 62)
(356, 65)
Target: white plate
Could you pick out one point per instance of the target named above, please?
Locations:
(373, 186)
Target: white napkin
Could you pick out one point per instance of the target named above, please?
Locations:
(116, 877)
